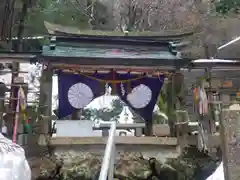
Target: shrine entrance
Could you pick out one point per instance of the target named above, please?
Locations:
(139, 92)
(133, 68)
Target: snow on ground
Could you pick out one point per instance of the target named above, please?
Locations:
(218, 173)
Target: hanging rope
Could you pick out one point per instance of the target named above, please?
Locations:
(113, 81)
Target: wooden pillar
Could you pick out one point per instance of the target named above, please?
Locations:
(45, 104)
(138, 132)
(2, 96)
(211, 118)
(182, 130)
(105, 132)
(149, 128)
(230, 138)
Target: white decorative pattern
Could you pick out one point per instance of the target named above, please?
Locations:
(80, 95)
(122, 89)
(140, 96)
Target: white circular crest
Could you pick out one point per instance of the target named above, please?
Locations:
(140, 96)
(80, 95)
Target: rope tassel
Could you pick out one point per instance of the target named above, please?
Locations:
(21, 108)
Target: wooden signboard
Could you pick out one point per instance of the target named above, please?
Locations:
(227, 84)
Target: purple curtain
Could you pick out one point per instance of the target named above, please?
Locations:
(140, 94)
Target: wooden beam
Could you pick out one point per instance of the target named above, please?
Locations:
(119, 126)
(13, 72)
(16, 57)
(107, 68)
(168, 64)
(48, 118)
(125, 140)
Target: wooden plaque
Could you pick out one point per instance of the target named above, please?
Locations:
(227, 84)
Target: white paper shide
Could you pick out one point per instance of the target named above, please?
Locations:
(13, 163)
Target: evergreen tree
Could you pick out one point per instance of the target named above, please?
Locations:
(225, 6)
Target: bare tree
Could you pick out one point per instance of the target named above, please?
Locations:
(131, 15)
(6, 21)
(154, 15)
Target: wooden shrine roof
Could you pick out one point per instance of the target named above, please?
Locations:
(113, 50)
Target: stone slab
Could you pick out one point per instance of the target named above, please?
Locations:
(230, 136)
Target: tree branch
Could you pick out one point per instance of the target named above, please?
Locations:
(78, 10)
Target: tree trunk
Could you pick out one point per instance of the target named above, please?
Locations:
(6, 19)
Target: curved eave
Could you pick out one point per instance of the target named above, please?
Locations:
(149, 35)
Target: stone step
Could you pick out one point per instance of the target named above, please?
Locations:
(166, 146)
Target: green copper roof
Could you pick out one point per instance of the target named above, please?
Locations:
(91, 52)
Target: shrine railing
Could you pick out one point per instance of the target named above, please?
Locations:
(107, 169)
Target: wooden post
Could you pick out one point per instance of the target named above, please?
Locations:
(212, 122)
(230, 138)
(105, 133)
(45, 103)
(149, 128)
(76, 115)
(182, 133)
(15, 65)
(138, 132)
(2, 108)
